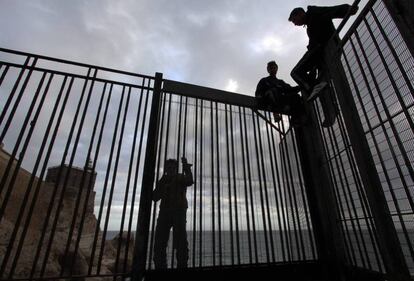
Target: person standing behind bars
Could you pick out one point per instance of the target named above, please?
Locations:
(319, 27)
(171, 190)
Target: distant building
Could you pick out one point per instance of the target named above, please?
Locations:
(75, 176)
(74, 180)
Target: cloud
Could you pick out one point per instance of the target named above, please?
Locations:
(232, 85)
(197, 42)
(272, 43)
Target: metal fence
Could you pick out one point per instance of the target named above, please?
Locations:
(82, 148)
(379, 68)
(73, 138)
(247, 204)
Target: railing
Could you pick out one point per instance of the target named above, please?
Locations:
(248, 203)
(72, 164)
(56, 116)
(379, 67)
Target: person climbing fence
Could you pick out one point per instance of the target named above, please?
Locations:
(276, 95)
(320, 28)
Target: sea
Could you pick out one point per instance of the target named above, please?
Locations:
(243, 247)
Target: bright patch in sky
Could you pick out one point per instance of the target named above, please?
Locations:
(232, 85)
(270, 43)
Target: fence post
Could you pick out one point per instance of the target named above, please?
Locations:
(389, 244)
(145, 202)
(321, 198)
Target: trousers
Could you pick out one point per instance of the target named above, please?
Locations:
(167, 219)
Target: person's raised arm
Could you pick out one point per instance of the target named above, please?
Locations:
(337, 12)
(188, 174)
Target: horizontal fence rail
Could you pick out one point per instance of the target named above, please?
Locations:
(72, 137)
(247, 204)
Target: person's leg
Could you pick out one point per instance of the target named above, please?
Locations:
(316, 90)
(297, 106)
(271, 103)
(303, 72)
(298, 111)
(300, 72)
(180, 238)
(277, 117)
(162, 233)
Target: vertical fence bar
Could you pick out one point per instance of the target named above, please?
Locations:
(286, 192)
(278, 199)
(5, 70)
(233, 163)
(17, 101)
(246, 198)
(200, 242)
(213, 205)
(160, 158)
(11, 180)
(268, 228)
(195, 182)
(220, 240)
(89, 188)
(29, 188)
(144, 214)
(249, 174)
(105, 189)
(259, 157)
(304, 199)
(319, 190)
(128, 184)
(229, 184)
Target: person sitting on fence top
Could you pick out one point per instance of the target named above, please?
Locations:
(276, 95)
(319, 27)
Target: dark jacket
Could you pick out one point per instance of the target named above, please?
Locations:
(276, 85)
(319, 23)
(172, 189)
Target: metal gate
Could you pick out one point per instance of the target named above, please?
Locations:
(73, 138)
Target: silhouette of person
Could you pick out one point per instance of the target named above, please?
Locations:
(319, 27)
(171, 190)
(278, 96)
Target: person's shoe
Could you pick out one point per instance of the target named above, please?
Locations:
(277, 117)
(316, 90)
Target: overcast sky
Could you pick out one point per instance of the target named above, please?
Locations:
(223, 44)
